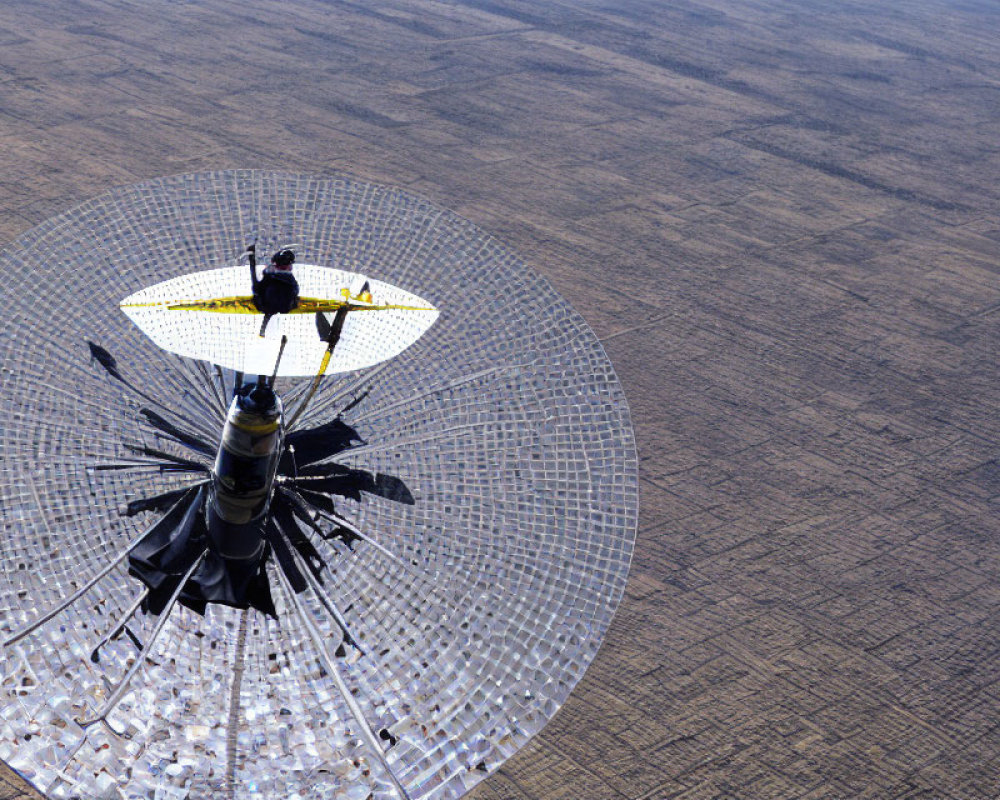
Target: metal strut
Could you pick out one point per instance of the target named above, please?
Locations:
(406, 567)
(141, 658)
(94, 653)
(423, 579)
(34, 625)
(281, 350)
(332, 337)
(328, 604)
(338, 520)
(366, 730)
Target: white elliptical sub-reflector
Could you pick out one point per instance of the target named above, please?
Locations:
(210, 316)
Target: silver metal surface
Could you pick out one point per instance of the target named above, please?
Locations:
(505, 421)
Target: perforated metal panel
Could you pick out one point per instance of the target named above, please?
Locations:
(505, 421)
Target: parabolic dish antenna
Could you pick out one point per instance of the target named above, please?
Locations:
(460, 515)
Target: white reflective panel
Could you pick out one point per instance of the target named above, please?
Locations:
(377, 330)
(485, 598)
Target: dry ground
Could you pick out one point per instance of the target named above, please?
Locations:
(781, 220)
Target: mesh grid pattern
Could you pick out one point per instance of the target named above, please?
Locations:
(505, 421)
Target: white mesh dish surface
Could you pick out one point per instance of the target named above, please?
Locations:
(504, 421)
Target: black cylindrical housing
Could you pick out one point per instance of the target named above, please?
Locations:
(243, 476)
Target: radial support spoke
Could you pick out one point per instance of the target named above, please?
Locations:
(217, 403)
(418, 576)
(447, 386)
(163, 455)
(150, 643)
(496, 589)
(233, 725)
(111, 634)
(34, 625)
(371, 739)
(367, 376)
(157, 465)
(328, 604)
(386, 635)
(338, 520)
